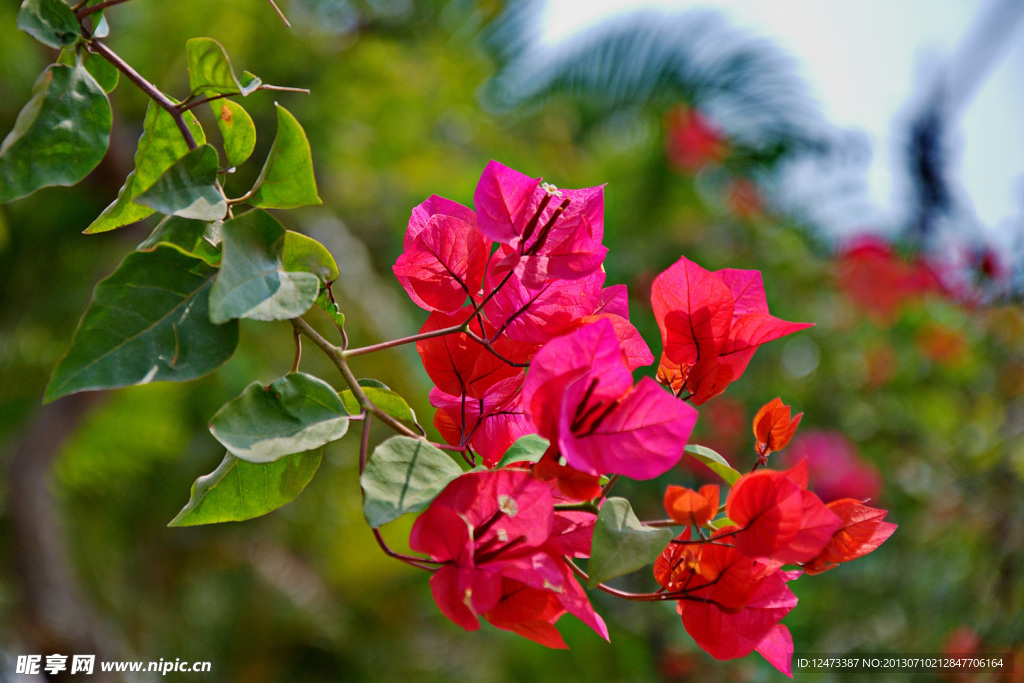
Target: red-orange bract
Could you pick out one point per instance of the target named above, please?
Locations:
(862, 530)
(711, 324)
(693, 508)
(773, 427)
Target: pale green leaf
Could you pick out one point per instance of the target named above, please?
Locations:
(296, 413)
(621, 544)
(188, 188)
(253, 282)
(160, 146)
(403, 475)
(286, 181)
(715, 462)
(237, 130)
(238, 490)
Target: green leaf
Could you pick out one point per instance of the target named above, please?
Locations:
(209, 69)
(716, 462)
(160, 146)
(105, 73)
(296, 413)
(387, 400)
(148, 321)
(286, 181)
(237, 130)
(253, 282)
(188, 188)
(189, 236)
(403, 475)
(238, 490)
(51, 22)
(249, 82)
(305, 254)
(527, 448)
(60, 135)
(621, 543)
(323, 301)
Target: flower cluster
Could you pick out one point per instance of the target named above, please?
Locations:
(730, 583)
(524, 338)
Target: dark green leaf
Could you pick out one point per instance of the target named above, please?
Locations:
(209, 69)
(323, 301)
(51, 22)
(252, 282)
(105, 73)
(715, 462)
(238, 490)
(237, 129)
(192, 237)
(286, 181)
(387, 400)
(621, 543)
(527, 448)
(403, 475)
(160, 146)
(148, 321)
(305, 254)
(59, 136)
(296, 413)
(188, 188)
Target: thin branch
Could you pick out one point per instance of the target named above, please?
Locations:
(362, 350)
(577, 507)
(83, 13)
(145, 86)
(298, 349)
(608, 487)
(487, 345)
(190, 104)
(625, 595)
(280, 13)
(419, 562)
(364, 446)
(658, 523)
(337, 357)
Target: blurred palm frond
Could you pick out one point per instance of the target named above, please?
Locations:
(746, 84)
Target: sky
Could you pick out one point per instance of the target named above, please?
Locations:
(864, 63)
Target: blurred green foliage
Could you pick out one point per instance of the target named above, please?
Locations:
(304, 593)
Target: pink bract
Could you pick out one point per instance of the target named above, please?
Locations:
(495, 535)
(553, 234)
(580, 394)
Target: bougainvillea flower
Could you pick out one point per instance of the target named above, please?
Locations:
(693, 508)
(727, 634)
(493, 533)
(711, 324)
(554, 234)
(490, 424)
(836, 468)
(443, 257)
(716, 572)
(779, 520)
(862, 530)
(459, 365)
(691, 141)
(773, 427)
(560, 306)
(580, 394)
(730, 603)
